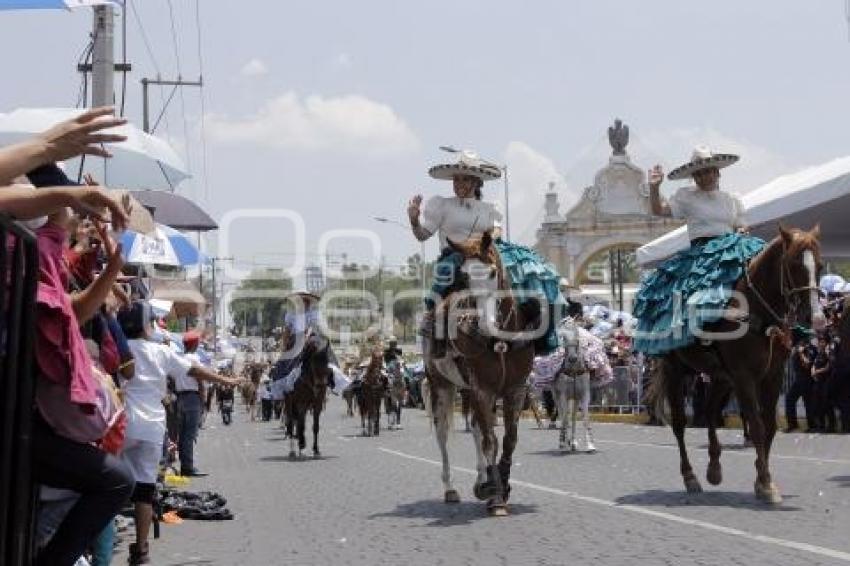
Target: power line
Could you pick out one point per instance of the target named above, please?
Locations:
(203, 104)
(144, 36)
(152, 57)
(180, 76)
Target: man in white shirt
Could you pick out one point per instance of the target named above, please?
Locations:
(190, 401)
(144, 392)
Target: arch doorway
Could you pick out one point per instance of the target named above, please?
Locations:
(613, 267)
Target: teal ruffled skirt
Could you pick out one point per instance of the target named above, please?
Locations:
(528, 272)
(690, 290)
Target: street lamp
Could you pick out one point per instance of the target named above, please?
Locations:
(383, 220)
(504, 169)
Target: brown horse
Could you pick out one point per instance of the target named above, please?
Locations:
(308, 395)
(372, 392)
(748, 353)
(487, 338)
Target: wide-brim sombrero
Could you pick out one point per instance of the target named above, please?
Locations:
(304, 293)
(702, 158)
(468, 164)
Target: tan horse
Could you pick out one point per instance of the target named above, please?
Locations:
(780, 289)
(494, 356)
(372, 392)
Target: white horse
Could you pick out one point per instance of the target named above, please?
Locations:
(570, 373)
(570, 385)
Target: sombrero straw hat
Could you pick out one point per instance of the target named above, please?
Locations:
(467, 164)
(304, 293)
(702, 158)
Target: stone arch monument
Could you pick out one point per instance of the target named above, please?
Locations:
(593, 243)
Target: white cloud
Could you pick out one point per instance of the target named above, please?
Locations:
(350, 123)
(530, 173)
(254, 68)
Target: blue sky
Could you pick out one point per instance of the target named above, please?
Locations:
(336, 109)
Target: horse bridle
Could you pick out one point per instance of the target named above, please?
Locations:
(790, 294)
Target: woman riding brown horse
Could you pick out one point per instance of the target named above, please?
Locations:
(494, 354)
(747, 351)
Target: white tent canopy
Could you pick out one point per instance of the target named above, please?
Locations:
(819, 194)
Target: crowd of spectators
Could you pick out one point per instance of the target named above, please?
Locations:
(101, 372)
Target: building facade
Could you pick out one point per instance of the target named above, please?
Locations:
(594, 243)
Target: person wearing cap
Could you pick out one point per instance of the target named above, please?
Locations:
(462, 217)
(154, 363)
(698, 279)
(190, 403)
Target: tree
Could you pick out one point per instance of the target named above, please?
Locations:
(258, 315)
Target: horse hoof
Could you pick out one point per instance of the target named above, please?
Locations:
(573, 446)
(591, 448)
(497, 509)
(769, 494)
(293, 456)
(484, 491)
(692, 485)
(316, 454)
(451, 496)
(714, 475)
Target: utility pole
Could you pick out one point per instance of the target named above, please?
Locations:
(103, 57)
(161, 82)
(214, 306)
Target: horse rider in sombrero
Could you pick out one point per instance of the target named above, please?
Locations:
(462, 217)
(693, 287)
(301, 324)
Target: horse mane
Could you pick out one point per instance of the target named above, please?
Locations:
(790, 242)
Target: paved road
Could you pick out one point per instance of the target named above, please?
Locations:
(378, 501)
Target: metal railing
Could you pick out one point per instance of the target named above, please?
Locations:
(18, 279)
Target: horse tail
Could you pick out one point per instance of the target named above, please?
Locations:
(659, 383)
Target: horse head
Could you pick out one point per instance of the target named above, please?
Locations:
(801, 263)
(570, 338)
(372, 375)
(481, 278)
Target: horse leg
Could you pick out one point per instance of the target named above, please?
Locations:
(674, 390)
(534, 409)
(464, 409)
(769, 396)
(585, 413)
(302, 426)
(398, 408)
(511, 409)
(559, 395)
(717, 395)
(752, 413)
(483, 416)
(442, 404)
(291, 430)
(317, 411)
(376, 428)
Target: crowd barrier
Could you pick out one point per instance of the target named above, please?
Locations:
(18, 279)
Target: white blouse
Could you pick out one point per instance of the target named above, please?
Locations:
(459, 219)
(708, 213)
